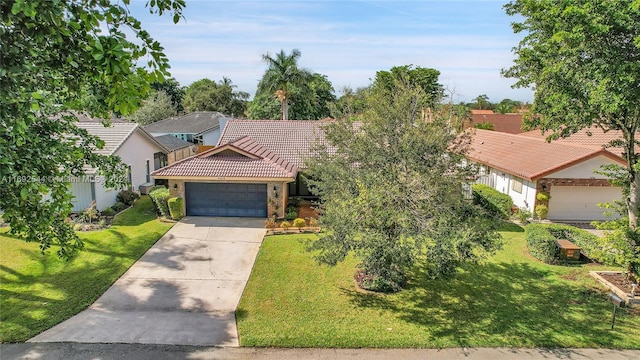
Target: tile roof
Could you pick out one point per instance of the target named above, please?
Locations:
(293, 140)
(193, 123)
(593, 136)
(241, 158)
(113, 136)
(508, 123)
(528, 157)
(172, 143)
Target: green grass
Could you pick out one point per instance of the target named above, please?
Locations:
(39, 291)
(510, 300)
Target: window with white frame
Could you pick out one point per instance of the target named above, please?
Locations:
(516, 185)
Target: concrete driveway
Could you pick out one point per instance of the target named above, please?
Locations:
(184, 290)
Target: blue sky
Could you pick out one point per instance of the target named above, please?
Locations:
(467, 41)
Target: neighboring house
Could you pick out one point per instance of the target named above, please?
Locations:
(200, 128)
(135, 147)
(525, 164)
(508, 123)
(178, 149)
(251, 173)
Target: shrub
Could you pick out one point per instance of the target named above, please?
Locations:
(541, 243)
(175, 207)
(299, 223)
(160, 197)
(379, 283)
(542, 211)
(91, 212)
(156, 187)
(543, 197)
(491, 199)
(108, 212)
(291, 212)
(285, 225)
(314, 222)
(119, 206)
(127, 197)
(588, 242)
(523, 214)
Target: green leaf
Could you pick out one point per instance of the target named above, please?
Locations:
(35, 106)
(24, 193)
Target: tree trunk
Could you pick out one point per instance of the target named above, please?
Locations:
(632, 203)
(285, 109)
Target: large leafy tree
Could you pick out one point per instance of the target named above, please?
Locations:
(60, 58)
(424, 78)
(391, 190)
(172, 88)
(281, 75)
(157, 107)
(207, 95)
(583, 59)
(308, 102)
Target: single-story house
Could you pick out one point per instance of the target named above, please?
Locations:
(135, 147)
(251, 172)
(200, 127)
(522, 165)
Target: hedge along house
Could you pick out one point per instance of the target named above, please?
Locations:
(524, 165)
(250, 173)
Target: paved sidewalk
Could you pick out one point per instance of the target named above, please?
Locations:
(184, 290)
(70, 351)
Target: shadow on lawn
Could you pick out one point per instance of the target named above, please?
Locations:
(511, 302)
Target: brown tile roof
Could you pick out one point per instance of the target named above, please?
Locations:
(241, 158)
(593, 136)
(293, 140)
(528, 157)
(508, 123)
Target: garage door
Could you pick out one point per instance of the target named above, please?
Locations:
(239, 200)
(580, 202)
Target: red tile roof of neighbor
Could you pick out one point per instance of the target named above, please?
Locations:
(508, 123)
(241, 158)
(593, 136)
(529, 157)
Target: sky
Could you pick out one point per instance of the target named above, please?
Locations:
(349, 40)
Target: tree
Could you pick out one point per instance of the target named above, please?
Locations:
(425, 78)
(157, 107)
(352, 102)
(391, 190)
(309, 102)
(172, 88)
(61, 58)
(583, 58)
(207, 95)
(283, 73)
(482, 101)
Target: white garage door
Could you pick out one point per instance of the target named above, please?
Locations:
(580, 202)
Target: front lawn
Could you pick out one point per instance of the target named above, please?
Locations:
(39, 291)
(511, 300)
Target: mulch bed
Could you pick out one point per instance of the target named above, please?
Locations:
(621, 282)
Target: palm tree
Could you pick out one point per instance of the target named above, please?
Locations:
(283, 71)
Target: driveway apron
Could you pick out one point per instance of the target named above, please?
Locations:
(183, 291)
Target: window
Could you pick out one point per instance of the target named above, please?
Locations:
(516, 185)
(159, 160)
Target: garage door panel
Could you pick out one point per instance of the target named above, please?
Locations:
(226, 199)
(580, 203)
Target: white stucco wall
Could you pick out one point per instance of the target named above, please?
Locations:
(135, 152)
(502, 182)
(584, 170)
(104, 197)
